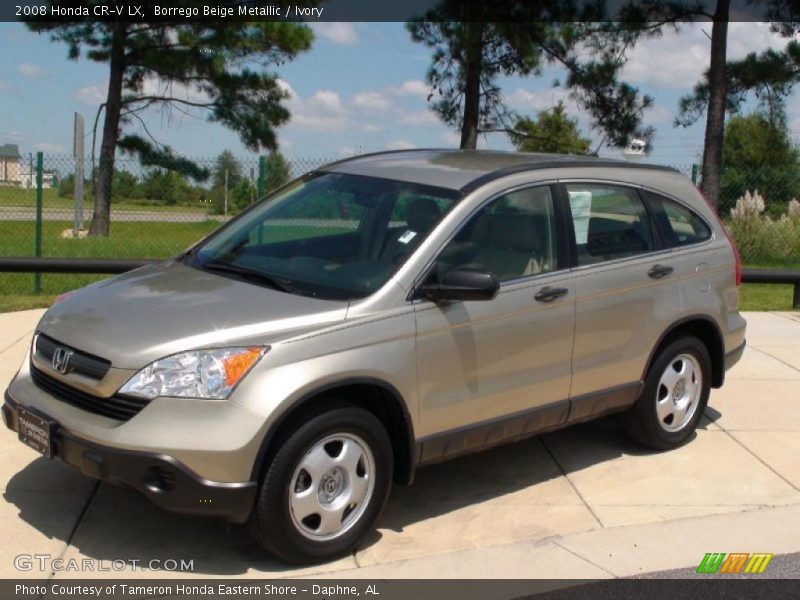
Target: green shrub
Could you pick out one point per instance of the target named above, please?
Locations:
(762, 239)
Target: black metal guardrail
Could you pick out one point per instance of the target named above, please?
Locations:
(70, 265)
(789, 276)
(114, 266)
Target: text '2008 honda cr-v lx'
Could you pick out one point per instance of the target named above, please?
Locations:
(382, 313)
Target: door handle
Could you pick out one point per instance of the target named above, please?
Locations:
(548, 294)
(659, 271)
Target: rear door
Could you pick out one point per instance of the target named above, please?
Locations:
(626, 293)
(480, 362)
(687, 234)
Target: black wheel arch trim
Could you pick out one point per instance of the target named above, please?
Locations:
(717, 374)
(405, 472)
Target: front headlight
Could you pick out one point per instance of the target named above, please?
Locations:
(208, 374)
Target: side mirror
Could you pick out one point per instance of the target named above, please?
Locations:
(461, 284)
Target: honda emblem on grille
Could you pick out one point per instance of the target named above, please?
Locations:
(61, 358)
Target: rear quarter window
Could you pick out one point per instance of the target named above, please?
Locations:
(679, 225)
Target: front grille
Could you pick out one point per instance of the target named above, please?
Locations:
(79, 362)
(116, 407)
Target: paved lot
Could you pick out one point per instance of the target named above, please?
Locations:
(583, 502)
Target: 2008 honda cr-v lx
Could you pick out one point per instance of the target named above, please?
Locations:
(379, 314)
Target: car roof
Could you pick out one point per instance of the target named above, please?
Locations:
(464, 170)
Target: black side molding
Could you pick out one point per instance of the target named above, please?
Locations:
(733, 357)
(525, 424)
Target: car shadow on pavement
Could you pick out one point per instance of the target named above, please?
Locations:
(119, 523)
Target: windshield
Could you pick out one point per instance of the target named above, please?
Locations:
(331, 235)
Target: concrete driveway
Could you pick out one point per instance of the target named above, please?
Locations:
(583, 502)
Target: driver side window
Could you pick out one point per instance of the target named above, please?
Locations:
(512, 237)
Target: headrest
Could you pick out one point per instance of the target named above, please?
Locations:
(509, 231)
(422, 215)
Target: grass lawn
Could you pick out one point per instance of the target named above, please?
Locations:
(127, 240)
(766, 296)
(24, 198)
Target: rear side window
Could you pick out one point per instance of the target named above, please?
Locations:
(610, 222)
(679, 225)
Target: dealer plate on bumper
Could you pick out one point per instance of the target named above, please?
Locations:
(34, 431)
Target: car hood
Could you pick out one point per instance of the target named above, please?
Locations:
(140, 316)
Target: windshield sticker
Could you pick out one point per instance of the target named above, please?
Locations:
(407, 237)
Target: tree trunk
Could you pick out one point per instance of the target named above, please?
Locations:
(717, 97)
(473, 56)
(105, 174)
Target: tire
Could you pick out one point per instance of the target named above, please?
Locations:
(673, 400)
(326, 486)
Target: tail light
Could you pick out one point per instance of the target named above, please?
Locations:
(738, 267)
(64, 296)
(736, 256)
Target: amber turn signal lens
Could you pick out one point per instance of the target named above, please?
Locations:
(238, 364)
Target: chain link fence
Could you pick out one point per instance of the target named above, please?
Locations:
(154, 213)
(760, 206)
(157, 213)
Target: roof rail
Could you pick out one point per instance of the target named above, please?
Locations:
(381, 153)
(557, 164)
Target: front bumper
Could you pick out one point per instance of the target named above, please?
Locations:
(162, 478)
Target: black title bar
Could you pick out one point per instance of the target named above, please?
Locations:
(311, 11)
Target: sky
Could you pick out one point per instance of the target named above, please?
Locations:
(359, 89)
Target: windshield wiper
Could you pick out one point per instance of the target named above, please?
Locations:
(273, 282)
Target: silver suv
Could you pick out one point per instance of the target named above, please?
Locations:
(383, 313)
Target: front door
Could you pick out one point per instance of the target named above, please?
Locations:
(482, 362)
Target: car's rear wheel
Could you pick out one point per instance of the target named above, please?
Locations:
(674, 396)
(325, 487)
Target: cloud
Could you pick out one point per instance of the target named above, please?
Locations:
(323, 111)
(343, 34)
(347, 151)
(418, 118)
(677, 60)
(532, 101)
(5, 87)
(399, 145)
(414, 87)
(326, 101)
(31, 71)
(326, 111)
(92, 95)
(285, 87)
(375, 102)
(155, 86)
(382, 102)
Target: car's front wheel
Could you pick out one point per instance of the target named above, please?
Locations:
(325, 487)
(674, 396)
